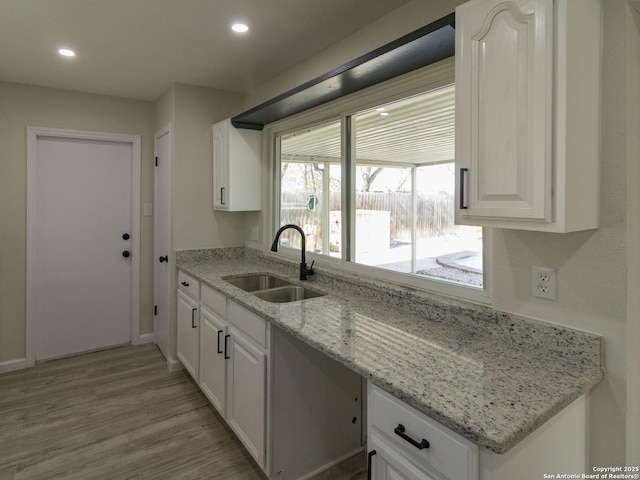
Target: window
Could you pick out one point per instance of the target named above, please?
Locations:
(310, 187)
(404, 191)
(374, 187)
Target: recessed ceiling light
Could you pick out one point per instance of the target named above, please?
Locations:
(65, 52)
(239, 27)
(384, 114)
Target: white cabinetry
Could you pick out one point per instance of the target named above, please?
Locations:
(187, 323)
(248, 343)
(237, 179)
(527, 114)
(410, 446)
(213, 331)
(405, 444)
(225, 348)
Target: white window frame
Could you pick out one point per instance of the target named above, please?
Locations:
(428, 78)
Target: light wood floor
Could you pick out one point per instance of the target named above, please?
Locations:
(120, 415)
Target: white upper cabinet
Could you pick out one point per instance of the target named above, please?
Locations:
(237, 174)
(527, 114)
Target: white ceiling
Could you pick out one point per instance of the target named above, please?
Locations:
(417, 130)
(138, 48)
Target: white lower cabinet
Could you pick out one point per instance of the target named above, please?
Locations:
(387, 463)
(409, 445)
(213, 368)
(188, 333)
(247, 348)
(246, 393)
(233, 358)
(405, 444)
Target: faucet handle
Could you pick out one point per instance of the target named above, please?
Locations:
(304, 270)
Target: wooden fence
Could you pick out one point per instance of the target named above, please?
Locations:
(435, 215)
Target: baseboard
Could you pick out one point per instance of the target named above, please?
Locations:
(12, 365)
(333, 463)
(146, 338)
(174, 365)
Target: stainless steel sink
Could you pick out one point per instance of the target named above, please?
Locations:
(254, 283)
(272, 289)
(289, 293)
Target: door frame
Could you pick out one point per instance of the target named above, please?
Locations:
(173, 364)
(33, 133)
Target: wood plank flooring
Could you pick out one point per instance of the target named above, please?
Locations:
(120, 415)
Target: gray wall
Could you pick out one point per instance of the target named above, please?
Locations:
(22, 106)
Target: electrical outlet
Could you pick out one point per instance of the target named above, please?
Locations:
(543, 283)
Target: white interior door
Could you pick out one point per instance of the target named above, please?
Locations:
(162, 241)
(82, 282)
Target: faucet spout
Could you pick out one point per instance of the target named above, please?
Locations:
(304, 270)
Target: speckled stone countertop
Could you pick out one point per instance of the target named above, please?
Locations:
(491, 377)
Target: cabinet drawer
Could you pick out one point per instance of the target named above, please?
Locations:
(448, 454)
(189, 285)
(214, 301)
(249, 323)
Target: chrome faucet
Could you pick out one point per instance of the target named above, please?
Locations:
(304, 270)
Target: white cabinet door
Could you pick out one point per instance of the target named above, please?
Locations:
(246, 393)
(220, 167)
(383, 468)
(386, 463)
(237, 171)
(188, 335)
(527, 114)
(212, 359)
(503, 104)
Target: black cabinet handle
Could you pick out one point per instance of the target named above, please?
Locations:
(226, 347)
(165, 258)
(193, 317)
(463, 171)
(222, 195)
(399, 430)
(184, 284)
(369, 462)
(219, 349)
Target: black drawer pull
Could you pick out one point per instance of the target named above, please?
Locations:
(463, 171)
(219, 347)
(193, 317)
(369, 462)
(226, 347)
(184, 284)
(399, 430)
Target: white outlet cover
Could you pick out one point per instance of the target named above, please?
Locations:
(544, 283)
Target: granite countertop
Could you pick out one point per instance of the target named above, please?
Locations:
(491, 377)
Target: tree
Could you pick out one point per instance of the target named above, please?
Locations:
(368, 175)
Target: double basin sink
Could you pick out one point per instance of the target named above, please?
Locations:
(272, 289)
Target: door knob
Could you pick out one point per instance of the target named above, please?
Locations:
(125, 236)
(126, 253)
(164, 259)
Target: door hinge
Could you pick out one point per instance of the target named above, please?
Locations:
(155, 309)
(156, 161)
